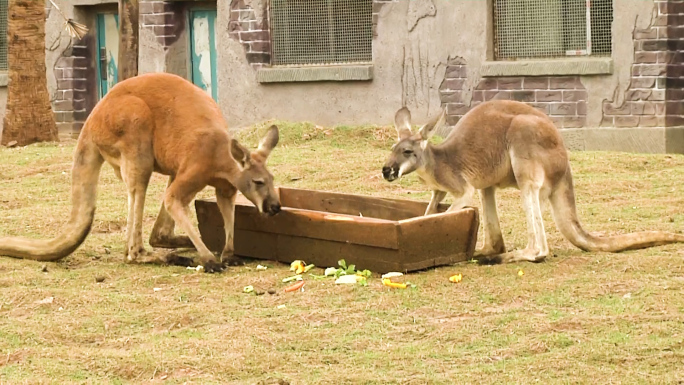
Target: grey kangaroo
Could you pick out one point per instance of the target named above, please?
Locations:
(502, 144)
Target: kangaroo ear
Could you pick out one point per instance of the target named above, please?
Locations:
(240, 154)
(402, 122)
(268, 142)
(431, 127)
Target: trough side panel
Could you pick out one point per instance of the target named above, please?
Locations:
(326, 254)
(210, 224)
(319, 225)
(448, 235)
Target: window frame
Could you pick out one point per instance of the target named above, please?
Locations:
(4, 73)
(541, 66)
(343, 71)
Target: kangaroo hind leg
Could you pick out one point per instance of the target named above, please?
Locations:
(493, 239)
(163, 235)
(136, 174)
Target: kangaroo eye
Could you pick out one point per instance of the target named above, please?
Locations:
(258, 182)
(408, 152)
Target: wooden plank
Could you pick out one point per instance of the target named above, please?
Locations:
(320, 225)
(210, 224)
(322, 253)
(326, 254)
(255, 244)
(303, 223)
(353, 204)
(285, 249)
(451, 234)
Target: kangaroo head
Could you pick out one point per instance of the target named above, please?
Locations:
(255, 182)
(408, 153)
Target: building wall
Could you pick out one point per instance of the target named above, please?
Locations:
(429, 54)
(415, 43)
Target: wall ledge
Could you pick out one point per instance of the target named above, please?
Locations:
(315, 73)
(549, 67)
(653, 140)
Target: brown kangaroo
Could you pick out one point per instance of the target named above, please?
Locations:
(159, 122)
(502, 144)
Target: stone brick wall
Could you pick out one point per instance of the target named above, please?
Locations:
(563, 98)
(70, 103)
(253, 33)
(451, 90)
(644, 104)
(654, 97)
(674, 77)
(165, 18)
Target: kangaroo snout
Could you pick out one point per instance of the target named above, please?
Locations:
(389, 173)
(271, 208)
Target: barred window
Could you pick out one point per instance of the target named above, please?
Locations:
(552, 28)
(321, 31)
(3, 35)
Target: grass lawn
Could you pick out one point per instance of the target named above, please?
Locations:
(577, 318)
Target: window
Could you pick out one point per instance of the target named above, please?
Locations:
(552, 28)
(321, 31)
(3, 35)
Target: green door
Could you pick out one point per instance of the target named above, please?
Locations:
(107, 51)
(203, 50)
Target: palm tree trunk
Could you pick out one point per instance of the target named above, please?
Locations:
(128, 35)
(29, 116)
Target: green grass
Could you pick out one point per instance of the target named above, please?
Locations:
(577, 318)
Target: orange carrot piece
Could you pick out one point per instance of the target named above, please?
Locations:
(294, 287)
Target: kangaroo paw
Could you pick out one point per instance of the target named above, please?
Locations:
(525, 255)
(212, 265)
(231, 260)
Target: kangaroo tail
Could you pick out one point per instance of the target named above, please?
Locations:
(85, 174)
(565, 216)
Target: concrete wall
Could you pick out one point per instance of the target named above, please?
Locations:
(415, 41)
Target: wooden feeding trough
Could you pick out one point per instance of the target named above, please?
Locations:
(319, 227)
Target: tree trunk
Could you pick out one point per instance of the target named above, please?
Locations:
(128, 39)
(29, 116)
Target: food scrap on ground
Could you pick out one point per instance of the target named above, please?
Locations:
(349, 279)
(388, 282)
(295, 287)
(392, 274)
(297, 277)
(456, 278)
(297, 266)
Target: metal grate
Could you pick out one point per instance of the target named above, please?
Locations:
(3, 35)
(321, 31)
(552, 28)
